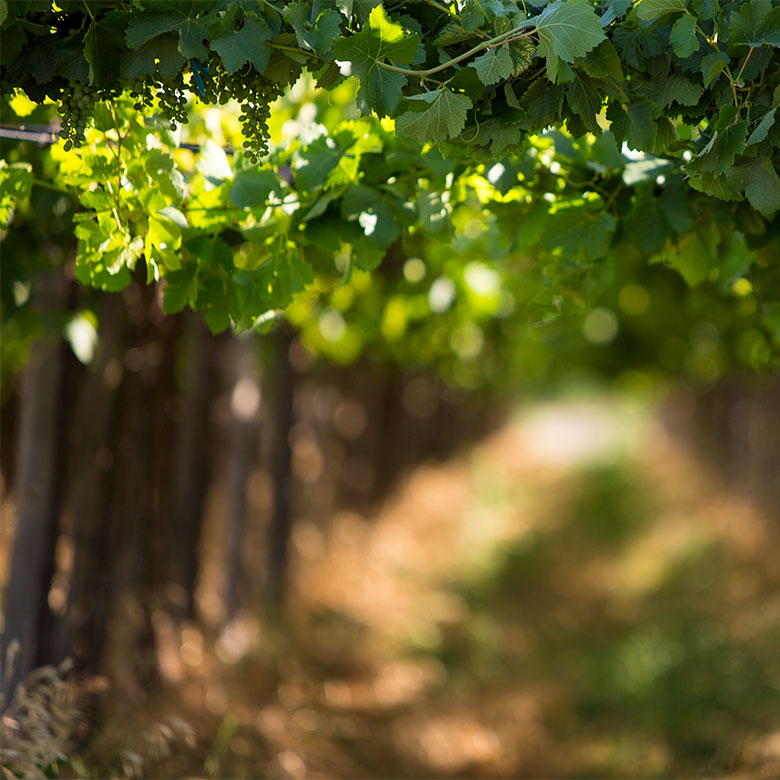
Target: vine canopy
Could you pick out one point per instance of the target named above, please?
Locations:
(476, 77)
(592, 136)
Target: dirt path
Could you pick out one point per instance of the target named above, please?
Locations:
(574, 597)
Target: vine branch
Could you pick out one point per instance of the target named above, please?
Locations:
(497, 40)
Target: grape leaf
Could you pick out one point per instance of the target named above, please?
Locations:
(472, 15)
(328, 76)
(251, 188)
(706, 9)
(717, 186)
(144, 61)
(318, 35)
(763, 191)
(666, 138)
(604, 153)
(522, 53)
(16, 181)
(218, 319)
(675, 205)
(650, 10)
(603, 62)
(753, 68)
(635, 125)
(326, 30)
(754, 24)
(181, 288)
(297, 15)
(101, 270)
(291, 275)
(361, 8)
(367, 254)
(568, 29)
(558, 71)
(452, 33)
(763, 128)
(542, 104)
(501, 136)
(249, 44)
(691, 258)
(373, 213)
(380, 89)
(494, 65)
(163, 236)
(615, 9)
(678, 89)
(102, 46)
(320, 159)
(226, 21)
(12, 41)
(575, 231)
(683, 36)
(281, 69)
(585, 100)
(712, 64)
(444, 118)
(511, 97)
(144, 27)
(718, 155)
(43, 60)
(320, 206)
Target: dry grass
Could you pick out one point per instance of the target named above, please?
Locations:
(40, 727)
(36, 730)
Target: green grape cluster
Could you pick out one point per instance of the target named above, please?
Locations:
(77, 102)
(171, 97)
(254, 125)
(255, 93)
(141, 92)
(250, 88)
(173, 101)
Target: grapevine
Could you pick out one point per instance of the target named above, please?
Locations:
(663, 76)
(603, 123)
